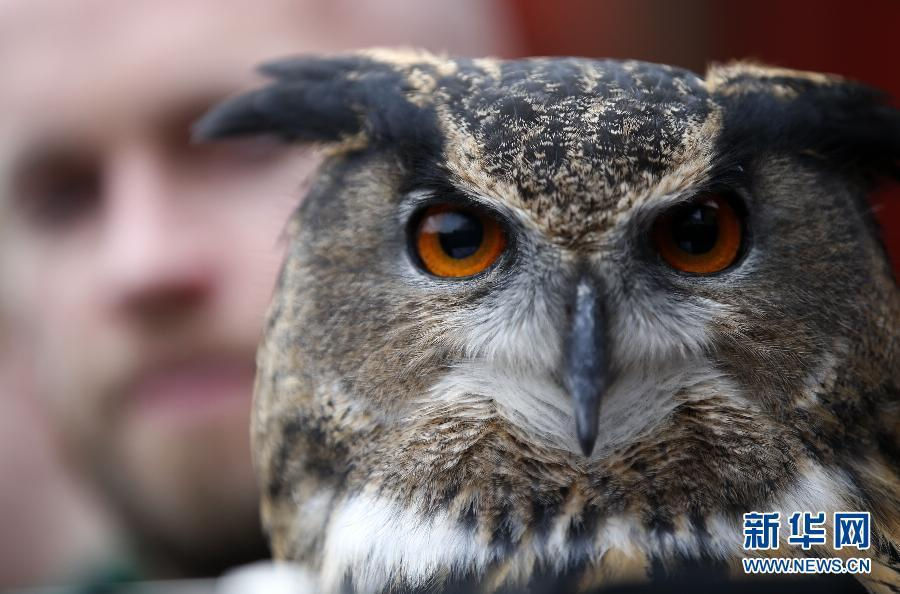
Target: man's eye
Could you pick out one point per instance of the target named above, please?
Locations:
(58, 194)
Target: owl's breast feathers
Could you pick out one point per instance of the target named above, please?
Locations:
(451, 498)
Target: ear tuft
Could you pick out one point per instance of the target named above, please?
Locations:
(850, 126)
(310, 100)
(312, 69)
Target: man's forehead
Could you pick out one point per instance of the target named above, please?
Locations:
(102, 62)
(130, 64)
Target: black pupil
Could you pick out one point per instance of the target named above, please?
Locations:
(460, 234)
(696, 229)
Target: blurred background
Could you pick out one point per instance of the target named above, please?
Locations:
(135, 268)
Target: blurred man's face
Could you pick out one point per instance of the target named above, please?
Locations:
(144, 263)
(141, 265)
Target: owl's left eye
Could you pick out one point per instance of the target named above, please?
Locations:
(455, 241)
(701, 237)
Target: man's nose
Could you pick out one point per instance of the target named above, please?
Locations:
(156, 259)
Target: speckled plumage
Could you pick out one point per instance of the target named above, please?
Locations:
(411, 431)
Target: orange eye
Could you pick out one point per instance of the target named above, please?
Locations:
(702, 237)
(454, 241)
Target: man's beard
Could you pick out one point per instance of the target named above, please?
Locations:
(184, 490)
(216, 527)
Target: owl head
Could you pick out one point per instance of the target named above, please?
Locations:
(609, 289)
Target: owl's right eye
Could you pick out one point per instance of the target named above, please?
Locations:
(454, 241)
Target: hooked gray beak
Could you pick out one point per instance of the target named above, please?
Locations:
(587, 360)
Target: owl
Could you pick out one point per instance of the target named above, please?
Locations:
(572, 318)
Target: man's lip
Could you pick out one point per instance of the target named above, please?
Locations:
(191, 386)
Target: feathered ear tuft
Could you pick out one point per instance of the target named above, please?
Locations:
(314, 99)
(310, 100)
(848, 125)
